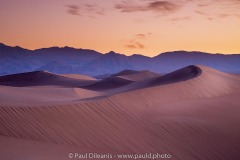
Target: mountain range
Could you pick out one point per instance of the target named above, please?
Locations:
(67, 60)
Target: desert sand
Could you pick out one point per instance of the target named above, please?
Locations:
(191, 114)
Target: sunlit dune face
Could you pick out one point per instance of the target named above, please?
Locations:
(138, 26)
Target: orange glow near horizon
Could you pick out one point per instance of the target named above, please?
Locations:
(130, 27)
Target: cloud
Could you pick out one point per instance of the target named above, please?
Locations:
(100, 12)
(209, 9)
(73, 10)
(222, 9)
(135, 45)
(155, 6)
(206, 3)
(93, 10)
(162, 6)
(201, 13)
(89, 10)
(90, 5)
(142, 35)
(228, 15)
(137, 41)
(186, 18)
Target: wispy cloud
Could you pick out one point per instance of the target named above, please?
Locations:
(137, 41)
(90, 10)
(73, 10)
(155, 6)
(186, 18)
(143, 35)
(209, 9)
(222, 9)
(135, 45)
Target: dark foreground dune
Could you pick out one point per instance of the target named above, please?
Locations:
(191, 114)
(44, 78)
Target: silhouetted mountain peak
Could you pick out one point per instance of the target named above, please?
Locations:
(9, 50)
(67, 47)
(16, 47)
(136, 55)
(1, 44)
(112, 53)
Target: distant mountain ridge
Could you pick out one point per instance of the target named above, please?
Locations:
(89, 62)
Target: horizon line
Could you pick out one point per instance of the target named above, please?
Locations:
(190, 51)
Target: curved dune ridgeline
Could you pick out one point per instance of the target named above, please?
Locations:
(44, 78)
(192, 114)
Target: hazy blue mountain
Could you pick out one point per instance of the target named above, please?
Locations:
(171, 61)
(90, 62)
(15, 60)
(57, 67)
(55, 59)
(107, 64)
(142, 62)
(66, 55)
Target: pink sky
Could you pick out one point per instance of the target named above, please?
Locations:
(146, 27)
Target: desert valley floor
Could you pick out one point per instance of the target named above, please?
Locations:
(192, 113)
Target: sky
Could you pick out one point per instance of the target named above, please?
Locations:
(146, 27)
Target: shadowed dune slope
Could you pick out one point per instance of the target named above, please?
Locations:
(179, 75)
(38, 78)
(153, 79)
(195, 117)
(124, 73)
(43, 87)
(140, 76)
(108, 83)
(122, 79)
(77, 76)
(112, 81)
(205, 79)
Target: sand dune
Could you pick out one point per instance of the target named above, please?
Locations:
(125, 72)
(140, 76)
(192, 114)
(37, 95)
(42, 86)
(121, 79)
(109, 83)
(179, 75)
(77, 76)
(151, 79)
(40, 78)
